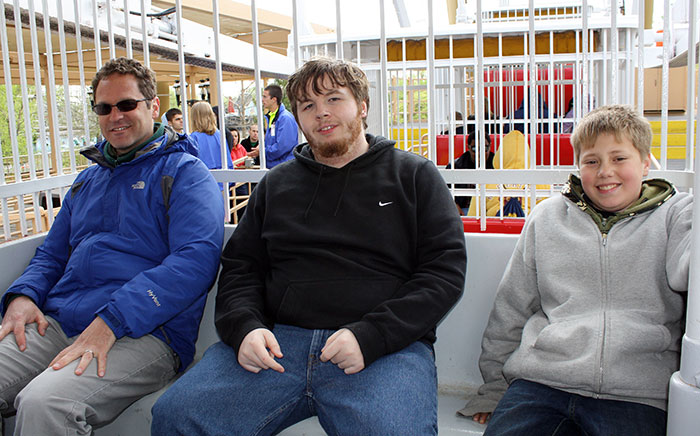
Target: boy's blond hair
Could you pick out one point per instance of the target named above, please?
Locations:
(616, 119)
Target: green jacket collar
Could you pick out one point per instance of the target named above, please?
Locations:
(654, 193)
(114, 160)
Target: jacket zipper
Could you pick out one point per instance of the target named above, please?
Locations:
(605, 316)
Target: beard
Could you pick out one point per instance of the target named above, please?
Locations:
(339, 146)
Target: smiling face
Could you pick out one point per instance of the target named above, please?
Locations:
(332, 121)
(612, 172)
(125, 130)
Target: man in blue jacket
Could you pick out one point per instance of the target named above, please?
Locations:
(282, 133)
(109, 307)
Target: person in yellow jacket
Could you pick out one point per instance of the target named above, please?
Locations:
(516, 156)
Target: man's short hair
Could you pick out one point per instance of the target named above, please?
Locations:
(617, 119)
(340, 73)
(145, 77)
(170, 114)
(275, 91)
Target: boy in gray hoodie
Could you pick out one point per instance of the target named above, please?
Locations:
(585, 330)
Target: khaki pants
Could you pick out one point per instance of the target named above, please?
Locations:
(51, 402)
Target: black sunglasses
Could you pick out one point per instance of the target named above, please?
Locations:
(123, 106)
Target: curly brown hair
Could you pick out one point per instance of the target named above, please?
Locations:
(340, 73)
(145, 77)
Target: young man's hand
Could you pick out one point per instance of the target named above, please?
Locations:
(343, 350)
(258, 351)
(20, 312)
(481, 417)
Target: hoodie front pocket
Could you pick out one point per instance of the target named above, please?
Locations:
(332, 303)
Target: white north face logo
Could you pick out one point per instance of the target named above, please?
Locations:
(138, 185)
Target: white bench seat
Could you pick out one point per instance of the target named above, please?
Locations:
(456, 351)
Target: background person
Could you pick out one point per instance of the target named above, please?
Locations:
(282, 133)
(207, 137)
(174, 117)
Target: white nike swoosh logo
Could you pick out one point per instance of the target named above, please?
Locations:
(385, 204)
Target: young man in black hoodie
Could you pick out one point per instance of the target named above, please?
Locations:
(332, 285)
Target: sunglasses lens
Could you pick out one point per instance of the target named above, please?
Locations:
(127, 105)
(102, 109)
(123, 106)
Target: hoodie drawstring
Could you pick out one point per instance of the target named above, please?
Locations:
(313, 197)
(345, 185)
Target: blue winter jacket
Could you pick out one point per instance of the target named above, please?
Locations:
(281, 137)
(137, 244)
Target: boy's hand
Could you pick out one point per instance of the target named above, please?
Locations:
(258, 351)
(481, 417)
(343, 350)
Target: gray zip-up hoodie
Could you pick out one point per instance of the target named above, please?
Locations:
(591, 304)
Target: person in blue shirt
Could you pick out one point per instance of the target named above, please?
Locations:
(281, 133)
(207, 137)
(108, 309)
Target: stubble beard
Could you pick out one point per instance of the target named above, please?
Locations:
(340, 146)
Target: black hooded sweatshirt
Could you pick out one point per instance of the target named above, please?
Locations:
(376, 246)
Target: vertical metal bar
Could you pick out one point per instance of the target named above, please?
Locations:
(23, 88)
(144, 35)
(430, 52)
(295, 33)
(338, 32)
(690, 102)
(11, 116)
(39, 92)
(110, 33)
(181, 65)
(127, 30)
(584, 58)
(478, 80)
(640, 57)
(261, 137)
(220, 102)
(51, 87)
(12, 120)
(383, 69)
(81, 69)
(664, 83)
(533, 83)
(405, 95)
(615, 47)
(451, 95)
(66, 86)
(97, 35)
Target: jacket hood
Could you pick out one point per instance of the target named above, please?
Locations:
(654, 193)
(170, 142)
(378, 145)
(516, 154)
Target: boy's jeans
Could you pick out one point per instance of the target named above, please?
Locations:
(395, 395)
(533, 409)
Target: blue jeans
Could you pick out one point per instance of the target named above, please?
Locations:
(395, 395)
(533, 409)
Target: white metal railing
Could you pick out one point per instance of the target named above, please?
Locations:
(416, 98)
